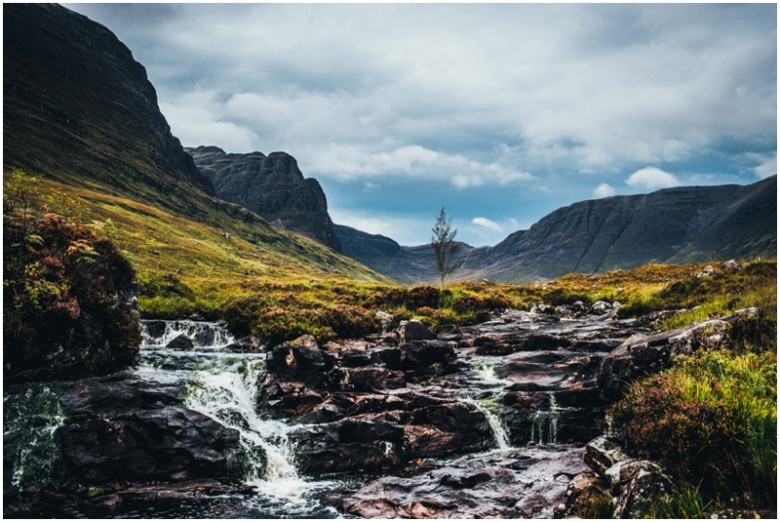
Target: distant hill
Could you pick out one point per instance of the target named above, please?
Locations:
(273, 186)
(80, 113)
(677, 225)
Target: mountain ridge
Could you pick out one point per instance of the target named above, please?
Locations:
(675, 225)
(272, 186)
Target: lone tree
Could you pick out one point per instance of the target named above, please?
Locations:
(444, 246)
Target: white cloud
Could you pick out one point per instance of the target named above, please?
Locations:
(604, 190)
(767, 167)
(406, 231)
(488, 224)
(652, 178)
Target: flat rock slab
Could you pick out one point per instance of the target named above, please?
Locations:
(523, 483)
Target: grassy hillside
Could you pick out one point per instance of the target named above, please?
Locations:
(185, 266)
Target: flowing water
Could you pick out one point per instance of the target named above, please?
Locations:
(221, 379)
(222, 383)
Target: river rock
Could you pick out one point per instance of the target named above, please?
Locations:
(600, 308)
(414, 330)
(644, 484)
(170, 443)
(603, 453)
(180, 342)
(430, 357)
(300, 361)
(587, 496)
(641, 355)
(288, 398)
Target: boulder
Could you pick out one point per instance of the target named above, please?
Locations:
(603, 453)
(429, 357)
(644, 485)
(414, 330)
(300, 361)
(288, 398)
(641, 355)
(600, 308)
(730, 267)
(587, 496)
(170, 443)
(180, 342)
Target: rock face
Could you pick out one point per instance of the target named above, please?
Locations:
(686, 224)
(121, 428)
(78, 106)
(272, 186)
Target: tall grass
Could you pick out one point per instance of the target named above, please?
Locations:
(712, 421)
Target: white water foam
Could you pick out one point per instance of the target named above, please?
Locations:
(223, 386)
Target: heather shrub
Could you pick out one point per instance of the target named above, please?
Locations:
(68, 300)
(712, 421)
(240, 312)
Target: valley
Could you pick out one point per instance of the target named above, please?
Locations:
(188, 334)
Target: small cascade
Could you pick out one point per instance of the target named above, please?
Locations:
(223, 385)
(487, 381)
(544, 425)
(30, 420)
(202, 334)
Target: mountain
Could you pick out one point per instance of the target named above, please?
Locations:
(272, 186)
(78, 108)
(685, 224)
(408, 265)
(81, 116)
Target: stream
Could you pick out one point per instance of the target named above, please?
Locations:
(494, 428)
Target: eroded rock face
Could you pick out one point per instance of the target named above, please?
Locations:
(121, 428)
(273, 186)
(642, 355)
(471, 487)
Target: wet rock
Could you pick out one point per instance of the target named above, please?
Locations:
(429, 357)
(170, 443)
(369, 441)
(587, 496)
(300, 361)
(155, 328)
(367, 379)
(550, 371)
(600, 308)
(445, 429)
(288, 398)
(505, 344)
(355, 358)
(641, 355)
(520, 485)
(414, 330)
(248, 344)
(180, 342)
(603, 453)
(643, 488)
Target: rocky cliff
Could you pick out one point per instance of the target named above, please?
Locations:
(273, 186)
(685, 224)
(78, 108)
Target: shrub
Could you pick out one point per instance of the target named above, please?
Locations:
(68, 300)
(241, 312)
(712, 422)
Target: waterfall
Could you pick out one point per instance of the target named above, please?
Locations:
(487, 381)
(30, 419)
(544, 424)
(223, 385)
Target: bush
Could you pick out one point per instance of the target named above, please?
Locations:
(712, 422)
(277, 325)
(240, 313)
(68, 300)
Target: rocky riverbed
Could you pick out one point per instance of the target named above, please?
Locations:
(483, 421)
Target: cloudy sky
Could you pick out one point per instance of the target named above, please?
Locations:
(500, 113)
